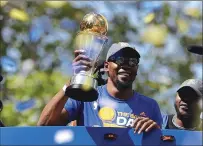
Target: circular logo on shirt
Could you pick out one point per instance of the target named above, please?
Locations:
(107, 114)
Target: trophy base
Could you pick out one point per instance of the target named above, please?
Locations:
(76, 92)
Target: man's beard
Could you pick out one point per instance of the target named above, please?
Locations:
(181, 116)
(120, 85)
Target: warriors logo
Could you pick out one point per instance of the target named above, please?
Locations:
(113, 118)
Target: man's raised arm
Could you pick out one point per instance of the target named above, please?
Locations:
(54, 112)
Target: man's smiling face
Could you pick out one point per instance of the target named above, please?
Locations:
(122, 67)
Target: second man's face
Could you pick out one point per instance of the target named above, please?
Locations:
(186, 103)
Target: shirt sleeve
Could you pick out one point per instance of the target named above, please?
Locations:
(157, 117)
(72, 107)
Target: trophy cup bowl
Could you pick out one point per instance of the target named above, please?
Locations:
(90, 39)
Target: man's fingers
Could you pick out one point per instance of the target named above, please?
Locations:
(81, 57)
(145, 125)
(153, 125)
(80, 68)
(82, 62)
(140, 121)
(78, 52)
(135, 123)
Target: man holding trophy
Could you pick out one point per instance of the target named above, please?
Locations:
(114, 104)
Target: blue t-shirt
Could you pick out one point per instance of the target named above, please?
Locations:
(109, 111)
(165, 120)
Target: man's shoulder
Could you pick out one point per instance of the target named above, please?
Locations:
(145, 98)
(101, 89)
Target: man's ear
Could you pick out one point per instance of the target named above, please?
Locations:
(106, 66)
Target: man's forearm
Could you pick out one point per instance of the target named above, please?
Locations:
(52, 113)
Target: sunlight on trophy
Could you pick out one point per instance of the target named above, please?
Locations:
(90, 39)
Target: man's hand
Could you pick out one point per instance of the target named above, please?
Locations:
(144, 124)
(81, 62)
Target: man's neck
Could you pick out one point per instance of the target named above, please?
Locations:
(124, 93)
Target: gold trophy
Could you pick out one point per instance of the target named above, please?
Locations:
(90, 39)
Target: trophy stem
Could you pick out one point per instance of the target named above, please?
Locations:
(83, 88)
